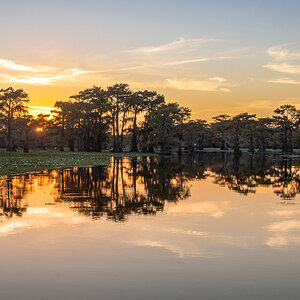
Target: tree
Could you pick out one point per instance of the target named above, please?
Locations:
(194, 132)
(60, 114)
(238, 125)
(263, 133)
(153, 101)
(118, 95)
(136, 104)
(286, 119)
(165, 121)
(94, 105)
(219, 128)
(12, 105)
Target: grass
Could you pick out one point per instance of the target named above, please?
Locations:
(37, 160)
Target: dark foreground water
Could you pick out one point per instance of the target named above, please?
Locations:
(209, 226)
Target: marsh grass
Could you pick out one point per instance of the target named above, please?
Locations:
(37, 160)
(40, 160)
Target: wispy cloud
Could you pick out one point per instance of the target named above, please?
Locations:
(9, 64)
(284, 61)
(285, 80)
(35, 110)
(165, 64)
(280, 52)
(178, 43)
(284, 68)
(214, 84)
(218, 79)
(195, 60)
(45, 78)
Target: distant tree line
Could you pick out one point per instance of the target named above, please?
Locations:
(118, 118)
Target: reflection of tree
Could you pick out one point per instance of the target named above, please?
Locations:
(139, 186)
(144, 185)
(14, 188)
(245, 173)
(12, 192)
(287, 180)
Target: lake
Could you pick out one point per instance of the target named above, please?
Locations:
(203, 226)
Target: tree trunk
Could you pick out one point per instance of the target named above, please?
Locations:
(122, 130)
(10, 145)
(134, 147)
(284, 140)
(251, 147)
(236, 142)
(290, 141)
(223, 145)
(26, 142)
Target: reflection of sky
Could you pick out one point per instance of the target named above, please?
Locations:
(188, 249)
(211, 218)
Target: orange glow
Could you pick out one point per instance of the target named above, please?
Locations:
(39, 129)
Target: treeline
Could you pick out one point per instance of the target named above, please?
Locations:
(118, 118)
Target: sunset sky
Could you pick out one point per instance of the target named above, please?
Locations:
(211, 56)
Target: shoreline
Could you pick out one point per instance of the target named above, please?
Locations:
(17, 163)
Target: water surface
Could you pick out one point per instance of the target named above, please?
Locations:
(207, 226)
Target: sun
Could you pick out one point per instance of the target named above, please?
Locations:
(39, 129)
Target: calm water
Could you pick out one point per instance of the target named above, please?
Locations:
(209, 226)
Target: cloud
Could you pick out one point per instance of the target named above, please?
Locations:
(284, 61)
(45, 78)
(35, 110)
(218, 79)
(280, 53)
(179, 43)
(285, 80)
(195, 60)
(214, 84)
(9, 64)
(171, 63)
(284, 68)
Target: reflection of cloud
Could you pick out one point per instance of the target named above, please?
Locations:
(209, 208)
(284, 226)
(12, 227)
(181, 252)
(185, 232)
(179, 43)
(285, 213)
(41, 217)
(283, 240)
(210, 85)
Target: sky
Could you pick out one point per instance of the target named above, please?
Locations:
(211, 56)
